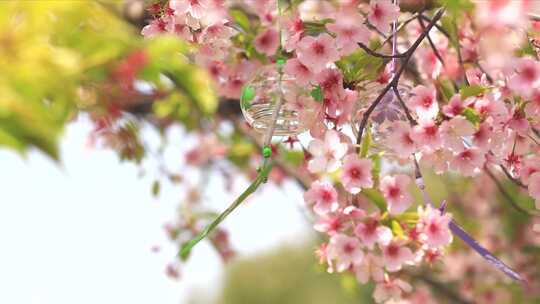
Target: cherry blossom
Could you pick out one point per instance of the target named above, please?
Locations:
(267, 42)
(195, 8)
(526, 77)
(371, 267)
(427, 135)
(326, 154)
(390, 289)
(371, 232)
(433, 227)
(330, 224)
(394, 190)
(424, 102)
(395, 254)
(455, 131)
(302, 74)
(356, 173)
(454, 107)
(346, 251)
(382, 13)
(468, 162)
(323, 196)
(317, 52)
(400, 139)
(529, 167)
(349, 31)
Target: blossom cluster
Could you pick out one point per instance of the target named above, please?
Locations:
(470, 110)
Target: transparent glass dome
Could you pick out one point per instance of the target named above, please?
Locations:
(260, 98)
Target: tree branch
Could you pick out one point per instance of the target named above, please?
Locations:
(395, 80)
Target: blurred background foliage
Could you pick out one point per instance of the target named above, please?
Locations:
(60, 57)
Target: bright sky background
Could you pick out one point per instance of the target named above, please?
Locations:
(82, 232)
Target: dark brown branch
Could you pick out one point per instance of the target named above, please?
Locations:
(404, 106)
(433, 47)
(437, 26)
(376, 54)
(395, 80)
(513, 179)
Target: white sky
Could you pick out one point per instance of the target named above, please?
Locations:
(82, 232)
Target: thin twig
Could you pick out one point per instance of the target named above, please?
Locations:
(505, 193)
(433, 47)
(513, 179)
(395, 80)
(376, 54)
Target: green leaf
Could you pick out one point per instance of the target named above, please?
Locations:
(360, 66)
(317, 93)
(366, 143)
(375, 197)
(457, 7)
(241, 19)
(471, 115)
(248, 93)
(397, 229)
(474, 90)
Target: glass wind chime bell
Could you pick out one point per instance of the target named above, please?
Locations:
(389, 109)
(270, 91)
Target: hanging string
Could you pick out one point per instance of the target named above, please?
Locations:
(393, 66)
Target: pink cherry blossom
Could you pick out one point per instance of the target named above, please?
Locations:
(382, 13)
(454, 107)
(293, 30)
(424, 101)
(267, 42)
(330, 224)
(356, 173)
(526, 77)
(301, 73)
(429, 65)
(395, 254)
(371, 232)
(427, 135)
(454, 131)
(326, 154)
(528, 168)
(194, 7)
(371, 267)
(331, 82)
(349, 31)
(394, 190)
(346, 251)
(156, 27)
(322, 196)
(400, 139)
(483, 137)
(317, 52)
(468, 162)
(390, 289)
(433, 227)
(437, 160)
(532, 108)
